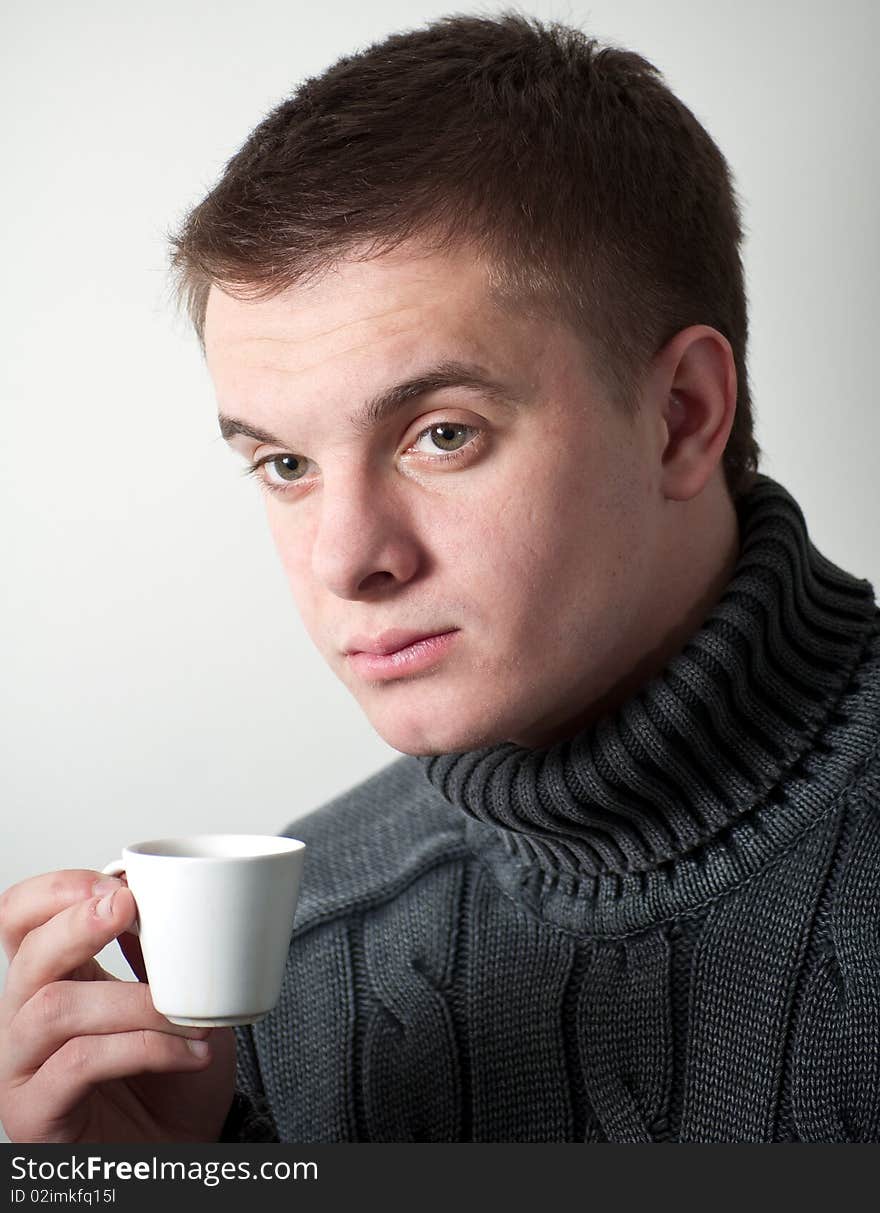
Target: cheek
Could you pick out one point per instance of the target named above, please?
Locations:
(293, 547)
(539, 533)
(563, 554)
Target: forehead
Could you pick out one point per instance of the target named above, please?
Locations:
(353, 305)
(364, 325)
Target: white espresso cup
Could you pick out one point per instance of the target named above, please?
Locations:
(214, 917)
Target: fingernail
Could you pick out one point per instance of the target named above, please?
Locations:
(201, 1048)
(104, 908)
(107, 885)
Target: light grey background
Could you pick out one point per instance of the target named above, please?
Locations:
(156, 679)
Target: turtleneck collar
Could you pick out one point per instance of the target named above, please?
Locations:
(703, 742)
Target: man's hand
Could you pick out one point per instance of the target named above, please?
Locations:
(84, 1056)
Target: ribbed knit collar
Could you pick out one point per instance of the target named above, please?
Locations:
(704, 741)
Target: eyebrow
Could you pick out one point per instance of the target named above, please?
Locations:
(390, 401)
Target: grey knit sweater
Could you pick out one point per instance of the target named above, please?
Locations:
(666, 929)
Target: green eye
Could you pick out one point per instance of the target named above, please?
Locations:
(285, 470)
(447, 433)
(288, 467)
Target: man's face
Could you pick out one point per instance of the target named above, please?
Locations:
(535, 545)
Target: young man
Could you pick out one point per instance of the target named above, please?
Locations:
(472, 303)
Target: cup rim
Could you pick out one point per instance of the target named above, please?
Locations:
(290, 847)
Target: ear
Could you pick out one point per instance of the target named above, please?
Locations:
(695, 393)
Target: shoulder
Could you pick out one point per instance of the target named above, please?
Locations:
(372, 840)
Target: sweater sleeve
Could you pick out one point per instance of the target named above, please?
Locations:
(250, 1116)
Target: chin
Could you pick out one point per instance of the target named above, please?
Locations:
(421, 735)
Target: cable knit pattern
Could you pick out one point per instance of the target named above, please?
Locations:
(626, 1035)
(408, 954)
(666, 929)
(754, 943)
(515, 1034)
(836, 1082)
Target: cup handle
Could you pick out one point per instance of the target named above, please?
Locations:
(116, 868)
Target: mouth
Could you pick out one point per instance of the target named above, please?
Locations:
(389, 641)
(420, 654)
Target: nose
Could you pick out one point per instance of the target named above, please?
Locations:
(364, 541)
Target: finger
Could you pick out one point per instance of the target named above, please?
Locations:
(68, 1076)
(32, 902)
(66, 1009)
(56, 948)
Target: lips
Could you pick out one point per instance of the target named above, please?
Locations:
(391, 641)
(418, 657)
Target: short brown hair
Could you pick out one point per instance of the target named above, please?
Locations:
(587, 185)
